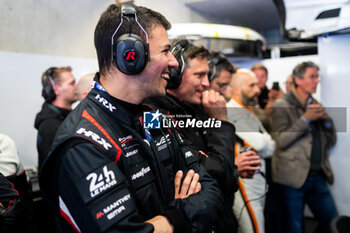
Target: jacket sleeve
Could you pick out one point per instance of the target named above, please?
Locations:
(13, 210)
(9, 160)
(219, 157)
(250, 129)
(286, 131)
(262, 142)
(46, 134)
(204, 208)
(93, 196)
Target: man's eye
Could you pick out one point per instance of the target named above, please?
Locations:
(222, 85)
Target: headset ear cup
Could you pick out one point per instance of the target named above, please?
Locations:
(213, 62)
(210, 73)
(131, 54)
(48, 93)
(212, 68)
(175, 74)
(175, 77)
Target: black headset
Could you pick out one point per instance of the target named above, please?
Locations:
(175, 74)
(48, 91)
(129, 52)
(212, 62)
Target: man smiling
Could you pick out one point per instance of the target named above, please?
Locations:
(107, 172)
(210, 136)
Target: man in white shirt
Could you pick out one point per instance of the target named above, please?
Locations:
(250, 201)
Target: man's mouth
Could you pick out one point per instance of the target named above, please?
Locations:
(199, 92)
(166, 76)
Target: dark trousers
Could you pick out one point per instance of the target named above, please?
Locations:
(275, 216)
(316, 195)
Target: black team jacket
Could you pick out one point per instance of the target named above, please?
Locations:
(47, 122)
(104, 176)
(217, 145)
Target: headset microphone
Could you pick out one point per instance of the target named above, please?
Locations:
(175, 74)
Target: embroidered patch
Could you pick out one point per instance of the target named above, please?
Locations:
(100, 181)
(113, 208)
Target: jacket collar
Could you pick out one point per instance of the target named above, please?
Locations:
(250, 108)
(181, 104)
(294, 98)
(125, 112)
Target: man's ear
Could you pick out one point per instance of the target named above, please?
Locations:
(84, 94)
(297, 80)
(235, 90)
(56, 89)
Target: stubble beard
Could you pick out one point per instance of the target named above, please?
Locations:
(248, 101)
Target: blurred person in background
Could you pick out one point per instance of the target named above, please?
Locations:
(60, 92)
(84, 85)
(304, 132)
(251, 135)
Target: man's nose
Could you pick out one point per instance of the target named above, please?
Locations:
(205, 81)
(172, 61)
(257, 90)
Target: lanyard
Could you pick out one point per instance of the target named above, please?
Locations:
(98, 86)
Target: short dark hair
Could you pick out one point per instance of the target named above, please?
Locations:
(192, 52)
(300, 69)
(222, 64)
(260, 67)
(109, 22)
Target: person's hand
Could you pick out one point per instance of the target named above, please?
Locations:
(190, 185)
(274, 94)
(315, 112)
(214, 104)
(161, 224)
(324, 115)
(246, 163)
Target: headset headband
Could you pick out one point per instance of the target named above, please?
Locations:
(175, 74)
(48, 90)
(49, 72)
(179, 50)
(127, 10)
(219, 57)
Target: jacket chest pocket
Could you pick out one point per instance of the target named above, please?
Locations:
(140, 175)
(143, 187)
(138, 170)
(167, 171)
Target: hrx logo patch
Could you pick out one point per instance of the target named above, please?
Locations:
(151, 120)
(95, 137)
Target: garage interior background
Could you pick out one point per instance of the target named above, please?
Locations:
(37, 34)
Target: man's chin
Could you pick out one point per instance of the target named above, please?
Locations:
(195, 101)
(161, 92)
(251, 103)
